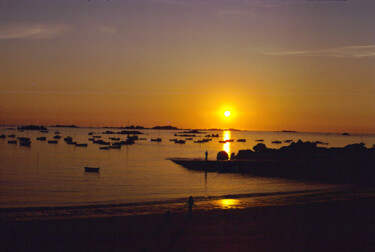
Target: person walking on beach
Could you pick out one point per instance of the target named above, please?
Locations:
(190, 204)
(206, 153)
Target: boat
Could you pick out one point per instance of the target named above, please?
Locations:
(68, 139)
(52, 141)
(180, 141)
(24, 139)
(91, 169)
(115, 138)
(25, 143)
(259, 140)
(155, 139)
(276, 142)
(104, 148)
(57, 137)
(222, 141)
(81, 144)
(241, 140)
(41, 138)
(3, 136)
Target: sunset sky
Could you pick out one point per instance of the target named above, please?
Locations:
(275, 64)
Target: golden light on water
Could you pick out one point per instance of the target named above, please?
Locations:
(229, 203)
(226, 146)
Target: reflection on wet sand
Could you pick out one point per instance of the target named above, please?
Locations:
(229, 203)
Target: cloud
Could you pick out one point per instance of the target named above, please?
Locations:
(339, 52)
(32, 31)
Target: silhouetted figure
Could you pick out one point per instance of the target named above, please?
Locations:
(167, 216)
(190, 204)
(206, 153)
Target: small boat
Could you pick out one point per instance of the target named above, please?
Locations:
(155, 139)
(142, 138)
(81, 144)
(12, 141)
(276, 142)
(288, 141)
(180, 141)
(24, 139)
(241, 140)
(115, 138)
(57, 137)
(41, 138)
(3, 136)
(229, 140)
(68, 139)
(91, 169)
(104, 148)
(52, 141)
(259, 140)
(222, 141)
(25, 143)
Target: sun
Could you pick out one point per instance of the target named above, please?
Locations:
(227, 113)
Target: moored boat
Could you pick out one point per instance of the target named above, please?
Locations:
(91, 169)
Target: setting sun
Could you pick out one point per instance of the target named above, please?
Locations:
(227, 113)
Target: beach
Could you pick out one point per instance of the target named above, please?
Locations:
(338, 224)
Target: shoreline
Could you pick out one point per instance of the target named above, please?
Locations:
(325, 224)
(206, 203)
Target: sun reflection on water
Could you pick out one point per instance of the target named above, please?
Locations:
(229, 203)
(226, 146)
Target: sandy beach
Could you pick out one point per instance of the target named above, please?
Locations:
(334, 225)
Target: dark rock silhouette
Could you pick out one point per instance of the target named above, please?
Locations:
(222, 155)
(353, 163)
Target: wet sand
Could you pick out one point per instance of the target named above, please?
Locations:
(336, 225)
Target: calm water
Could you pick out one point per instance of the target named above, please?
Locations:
(52, 175)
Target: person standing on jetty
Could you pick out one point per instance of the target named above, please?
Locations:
(190, 204)
(206, 153)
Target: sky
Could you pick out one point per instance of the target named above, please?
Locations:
(303, 65)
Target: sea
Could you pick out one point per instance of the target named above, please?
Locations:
(139, 177)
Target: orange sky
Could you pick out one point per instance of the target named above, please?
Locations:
(276, 65)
